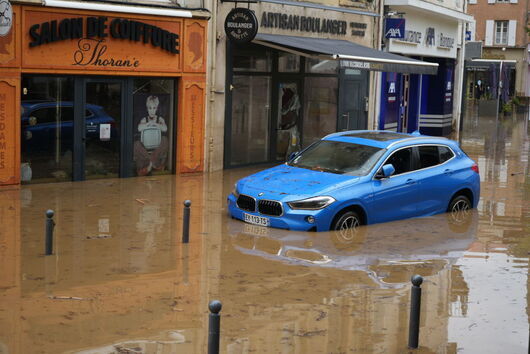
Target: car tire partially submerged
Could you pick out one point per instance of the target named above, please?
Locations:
(459, 203)
(346, 220)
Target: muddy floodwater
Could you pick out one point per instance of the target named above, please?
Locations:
(121, 281)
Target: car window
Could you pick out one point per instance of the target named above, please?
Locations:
(445, 153)
(339, 157)
(53, 115)
(401, 160)
(429, 155)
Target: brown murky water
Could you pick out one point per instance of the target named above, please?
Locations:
(120, 280)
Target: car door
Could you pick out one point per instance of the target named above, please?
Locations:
(435, 177)
(397, 196)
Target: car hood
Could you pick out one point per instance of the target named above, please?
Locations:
(284, 180)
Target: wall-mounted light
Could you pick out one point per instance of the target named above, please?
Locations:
(142, 10)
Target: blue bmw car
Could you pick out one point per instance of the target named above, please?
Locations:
(353, 178)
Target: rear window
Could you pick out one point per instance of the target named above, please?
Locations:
(445, 153)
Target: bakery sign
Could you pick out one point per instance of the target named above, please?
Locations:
(241, 25)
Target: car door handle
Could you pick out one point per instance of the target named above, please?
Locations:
(410, 181)
(448, 171)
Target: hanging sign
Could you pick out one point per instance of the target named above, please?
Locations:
(241, 25)
(395, 28)
(6, 17)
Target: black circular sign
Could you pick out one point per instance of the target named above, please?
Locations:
(241, 25)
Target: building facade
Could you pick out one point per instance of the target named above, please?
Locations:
(501, 27)
(434, 32)
(268, 101)
(309, 71)
(101, 91)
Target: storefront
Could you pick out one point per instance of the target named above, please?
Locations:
(307, 73)
(427, 103)
(92, 94)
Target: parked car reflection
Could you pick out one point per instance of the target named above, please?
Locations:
(41, 119)
(378, 249)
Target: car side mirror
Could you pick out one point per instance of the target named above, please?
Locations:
(292, 155)
(385, 171)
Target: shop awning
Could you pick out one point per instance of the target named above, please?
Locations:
(351, 55)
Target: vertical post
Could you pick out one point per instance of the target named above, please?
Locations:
(214, 326)
(415, 304)
(186, 222)
(49, 232)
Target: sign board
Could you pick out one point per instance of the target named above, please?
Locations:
(6, 17)
(241, 25)
(395, 28)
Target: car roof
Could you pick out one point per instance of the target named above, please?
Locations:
(382, 139)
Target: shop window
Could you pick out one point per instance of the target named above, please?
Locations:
(46, 129)
(252, 58)
(251, 113)
(317, 66)
(153, 126)
(320, 108)
(288, 63)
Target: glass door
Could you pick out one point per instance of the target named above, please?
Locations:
(288, 119)
(102, 128)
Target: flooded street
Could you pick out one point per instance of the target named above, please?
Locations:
(121, 281)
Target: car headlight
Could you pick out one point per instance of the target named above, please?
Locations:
(313, 203)
(235, 192)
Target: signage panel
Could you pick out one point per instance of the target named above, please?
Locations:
(57, 40)
(395, 28)
(241, 25)
(426, 36)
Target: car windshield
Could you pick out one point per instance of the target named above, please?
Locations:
(338, 157)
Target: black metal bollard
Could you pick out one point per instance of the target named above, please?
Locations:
(49, 232)
(214, 326)
(186, 222)
(415, 304)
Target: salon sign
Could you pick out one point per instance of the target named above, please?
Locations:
(100, 42)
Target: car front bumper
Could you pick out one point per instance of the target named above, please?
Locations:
(290, 219)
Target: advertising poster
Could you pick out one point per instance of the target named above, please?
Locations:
(150, 128)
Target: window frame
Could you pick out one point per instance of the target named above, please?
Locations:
(504, 34)
(415, 158)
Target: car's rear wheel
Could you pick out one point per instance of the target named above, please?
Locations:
(459, 204)
(347, 220)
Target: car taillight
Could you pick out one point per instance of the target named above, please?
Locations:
(475, 167)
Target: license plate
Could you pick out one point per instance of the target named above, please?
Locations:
(256, 220)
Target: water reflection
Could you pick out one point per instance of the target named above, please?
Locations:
(436, 239)
(120, 280)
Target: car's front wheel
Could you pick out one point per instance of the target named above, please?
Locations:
(347, 220)
(459, 204)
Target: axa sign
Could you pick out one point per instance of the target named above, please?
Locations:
(395, 28)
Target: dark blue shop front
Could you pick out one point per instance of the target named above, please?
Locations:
(421, 102)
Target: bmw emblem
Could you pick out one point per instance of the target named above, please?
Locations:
(260, 194)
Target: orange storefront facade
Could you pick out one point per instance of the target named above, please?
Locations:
(90, 94)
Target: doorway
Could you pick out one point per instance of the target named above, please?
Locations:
(404, 104)
(288, 119)
(353, 100)
(102, 123)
